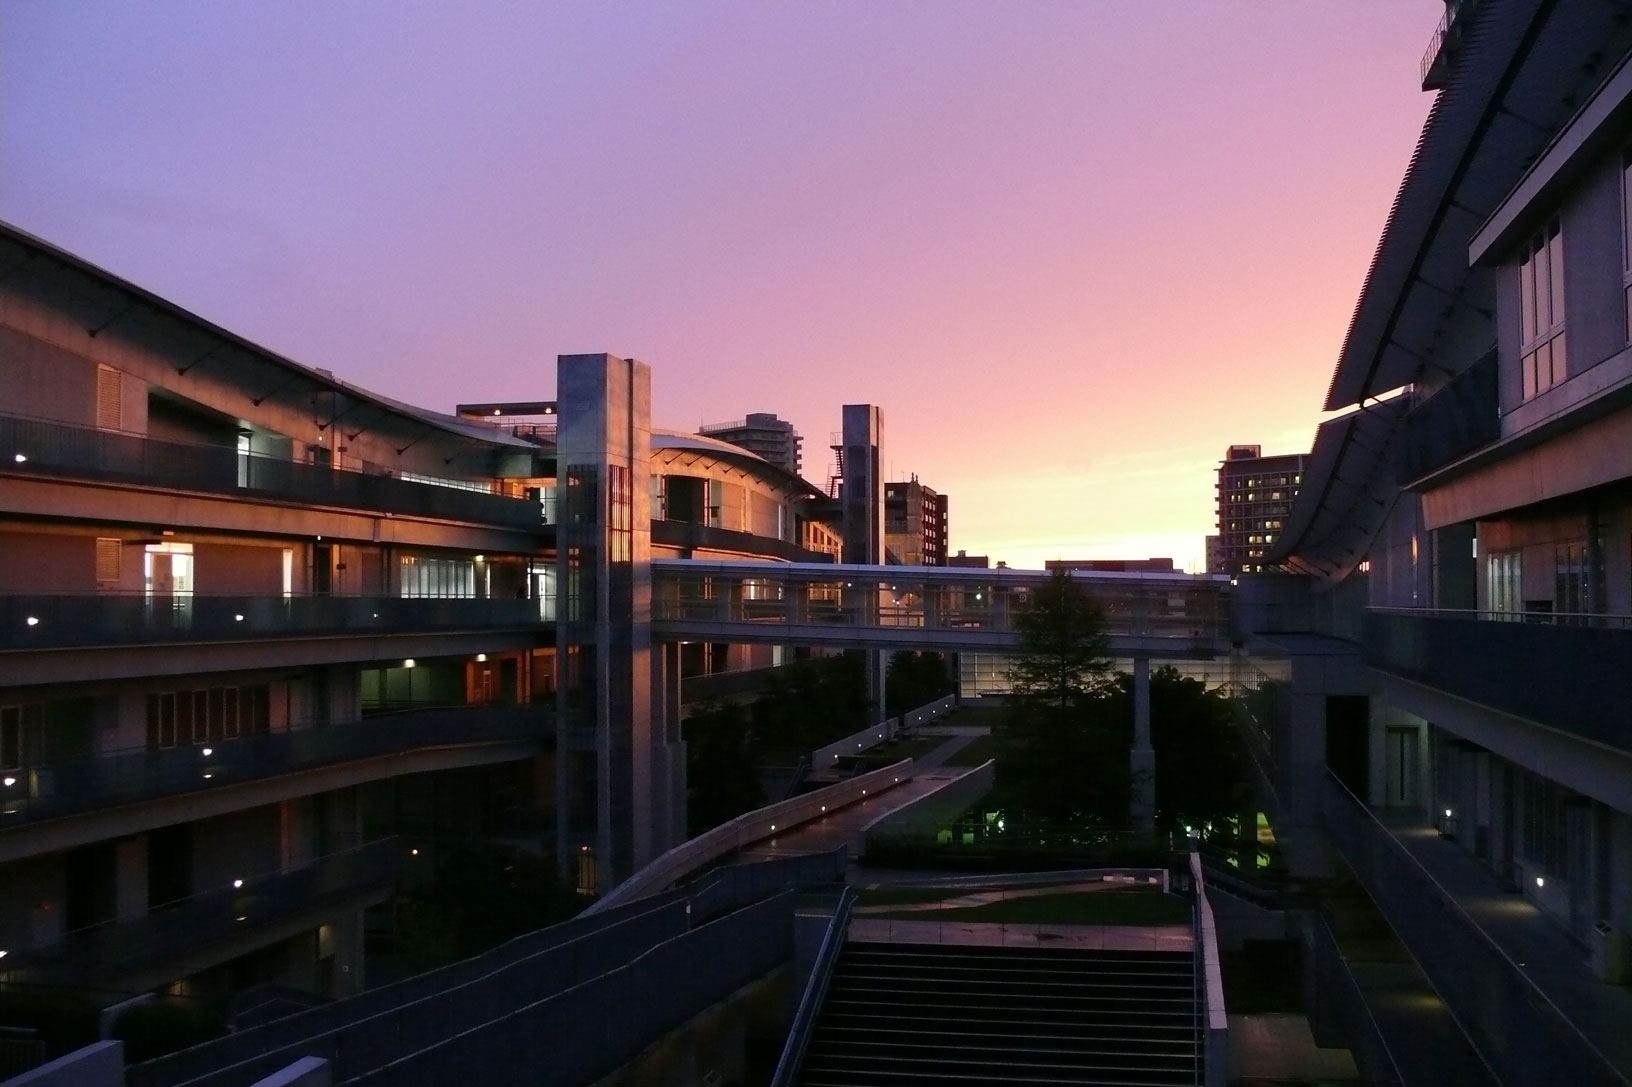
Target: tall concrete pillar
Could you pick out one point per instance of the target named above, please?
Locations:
(862, 518)
(1142, 758)
(608, 751)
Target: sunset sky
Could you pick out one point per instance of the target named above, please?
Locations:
(1073, 250)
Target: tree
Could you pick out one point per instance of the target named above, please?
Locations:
(914, 679)
(1063, 758)
(1201, 768)
(722, 771)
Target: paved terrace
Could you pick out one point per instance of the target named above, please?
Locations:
(1183, 616)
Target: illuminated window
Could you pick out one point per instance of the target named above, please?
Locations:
(1541, 312)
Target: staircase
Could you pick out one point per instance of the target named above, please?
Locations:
(907, 1014)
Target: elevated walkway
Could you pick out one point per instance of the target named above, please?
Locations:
(1174, 616)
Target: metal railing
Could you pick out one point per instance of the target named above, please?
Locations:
(135, 774)
(1528, 664)
(815, 993)
(1339, 1002)
(1516, 1027)
(1212, 1023)
(87, 619)
(588, 1032)
(745, 829)
(36, 447)
(353, 1030)
(180, 930)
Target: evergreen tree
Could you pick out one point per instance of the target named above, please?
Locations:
(1064, 759)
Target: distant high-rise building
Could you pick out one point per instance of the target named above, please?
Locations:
(1255, 493)
(963, 558)
(914, 524)
(763, 434)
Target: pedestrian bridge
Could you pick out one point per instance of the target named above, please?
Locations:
(951, 609)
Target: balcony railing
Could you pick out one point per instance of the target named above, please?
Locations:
(36, 447)
(178, 936)
(1569, 672)
(87, 619)
(1458, 419)
(133, 775)
(692, 536)
(1507, 1017)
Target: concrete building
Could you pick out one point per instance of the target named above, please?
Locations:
(915, 524)
(1114, 566)
(764, 435)
(1255, 493)
(271, 640)
(1441, 688)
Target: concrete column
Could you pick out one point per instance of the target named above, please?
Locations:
(1142, 759)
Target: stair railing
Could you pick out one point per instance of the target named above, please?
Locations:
(810, 1002)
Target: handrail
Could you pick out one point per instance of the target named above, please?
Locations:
(1319, 927)
(745, 829)
(1491, 615)
(1455, 907)
(1213, 1032)
(815, 994)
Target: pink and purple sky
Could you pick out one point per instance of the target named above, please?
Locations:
(1073, 250)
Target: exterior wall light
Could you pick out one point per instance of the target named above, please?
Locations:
(20, 459)
(32, 620)
(481, 657)
(237, 617)
(237, 883)
(1540, 882)
(8, 781)
(207, 752)
(1447, 813)
(409, 663)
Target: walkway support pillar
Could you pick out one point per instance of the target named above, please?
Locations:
(1142, 758)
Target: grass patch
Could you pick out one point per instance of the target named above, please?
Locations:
(892, 751)
(977, 752)
(1138, 905)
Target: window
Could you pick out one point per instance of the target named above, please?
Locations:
(1570, 581)
(424, 576)
(1626, 238)
(211, 715)
(1541, 312)
(107, 559)
(1504, 585)
(620, 518)
(110, 398)
(1546, 832)
(21, 736)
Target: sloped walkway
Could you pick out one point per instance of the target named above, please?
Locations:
(1549, 957)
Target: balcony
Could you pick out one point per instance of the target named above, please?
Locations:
(1530, 666)
(1457, 420)
(1521, 993)
(690, 536)
(195, 933)
(105, 619)
(33, 447)
(1442, 47)
(142, 774)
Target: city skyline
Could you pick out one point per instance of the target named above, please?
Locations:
(1104, 243)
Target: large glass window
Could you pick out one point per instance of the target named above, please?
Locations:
(1570, 597)
(1541, 312)
(1504, 584)
(438, 577)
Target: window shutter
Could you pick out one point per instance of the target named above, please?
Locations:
(107, 559)
(109, 398)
